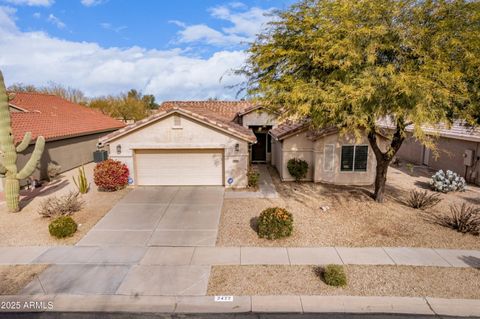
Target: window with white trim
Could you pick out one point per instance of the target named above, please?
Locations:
(354, 158)
(328, 157)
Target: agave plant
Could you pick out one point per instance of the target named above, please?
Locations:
(447, 182)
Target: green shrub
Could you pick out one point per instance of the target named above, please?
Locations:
(297, 168)
(275, 223)
(253, 177)
(63, 226)
(422, 200)
(334, 275)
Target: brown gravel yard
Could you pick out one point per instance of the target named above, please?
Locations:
(353, 219)
(28, 228)
(405, 281)
(14, 278)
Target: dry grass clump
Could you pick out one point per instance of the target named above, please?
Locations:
(61, 206)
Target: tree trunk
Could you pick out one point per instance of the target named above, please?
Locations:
(384, 158)
(380, 179)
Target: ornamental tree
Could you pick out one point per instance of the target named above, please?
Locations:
(351, 63)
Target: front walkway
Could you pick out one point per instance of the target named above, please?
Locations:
(266, 188)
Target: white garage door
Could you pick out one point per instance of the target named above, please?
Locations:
(179, 167)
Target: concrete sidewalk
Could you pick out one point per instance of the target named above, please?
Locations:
(185, 271)
(245, 304)
(198, 256)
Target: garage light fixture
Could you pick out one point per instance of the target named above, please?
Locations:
(119, 149)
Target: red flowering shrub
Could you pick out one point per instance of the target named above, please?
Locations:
(110, 175)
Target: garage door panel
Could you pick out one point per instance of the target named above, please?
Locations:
(179, 167)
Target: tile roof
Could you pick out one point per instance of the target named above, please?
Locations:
(224, 109)
(319, 133)
(198, 113)
(55, 118)
(288, 128)
(458, 130)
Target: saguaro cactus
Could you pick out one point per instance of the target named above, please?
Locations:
(8, 158)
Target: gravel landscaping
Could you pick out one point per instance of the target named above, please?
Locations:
(362, 281)
(353, 219)
(14, 278)
(28, 228)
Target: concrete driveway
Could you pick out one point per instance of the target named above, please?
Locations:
(161, 216)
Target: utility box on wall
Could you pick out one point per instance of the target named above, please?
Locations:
(468, 157)
(100, 156)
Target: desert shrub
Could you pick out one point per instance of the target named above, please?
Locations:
(274, 223)
(110, 175)
(53, 170)
(253, 177)
(410, 167)
(422, 200)
(81, 181)
(447, 182)
(297, 168)
(63, 226)
(462, 218)
(61, 206)
(334, 275)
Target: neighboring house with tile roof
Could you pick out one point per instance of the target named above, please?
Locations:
(71, 130)
(458, 148)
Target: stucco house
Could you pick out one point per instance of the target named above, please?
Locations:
(71, 130)
(214, 142)
(194, 143)
(458, 150)
(332, 157)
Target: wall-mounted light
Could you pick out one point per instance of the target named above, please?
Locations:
(237, 147)
(119, 149)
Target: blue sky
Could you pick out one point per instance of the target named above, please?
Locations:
(173, 49)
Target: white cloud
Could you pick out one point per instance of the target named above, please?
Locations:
(92, 3)
(32, 3)
(37, 15)
(56, 21)
(205, 34)
(245, 25)
(7, 22)
(110, 27)
(37, 58)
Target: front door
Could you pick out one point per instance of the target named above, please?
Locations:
(259, 150)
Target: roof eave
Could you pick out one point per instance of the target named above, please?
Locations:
(158, 116)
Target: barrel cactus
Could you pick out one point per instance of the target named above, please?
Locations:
(8, 153)
(447, 182)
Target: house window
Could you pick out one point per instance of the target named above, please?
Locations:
(328, 157)
(177, 121)
(354, 158)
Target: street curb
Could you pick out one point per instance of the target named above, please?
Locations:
(241, 304)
